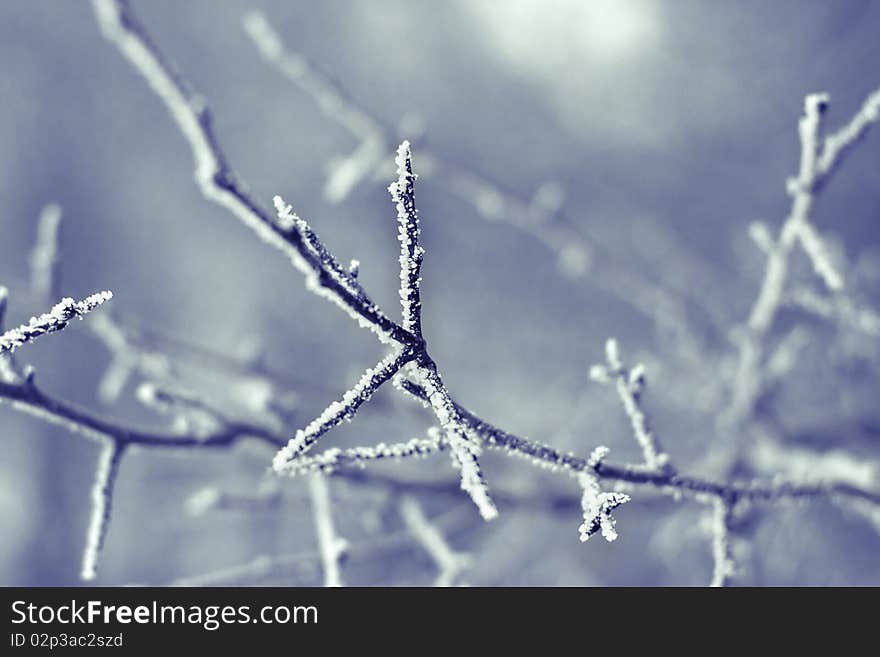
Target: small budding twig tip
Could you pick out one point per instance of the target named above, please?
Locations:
(612, 354)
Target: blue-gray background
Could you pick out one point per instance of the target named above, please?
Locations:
(670, 126)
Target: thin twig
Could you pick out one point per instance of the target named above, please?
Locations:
(629, 384)
(449, 563)
(331, 546)
(217, 181)
(543, 220)
(818, 162)
(345, 409)
(102, 502)
(55, 320)
(45, 257)
(722, 553)
(411, 252)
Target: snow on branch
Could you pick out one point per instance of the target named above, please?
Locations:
(345, 409)
(465, 450)
(55, 320)
(335, 460)
(343, 277)
(461, 432)
(411, 252)
(597, 506)
(630, 384)
(217, 181)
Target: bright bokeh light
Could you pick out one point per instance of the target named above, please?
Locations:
(537, 35)
(594, 61)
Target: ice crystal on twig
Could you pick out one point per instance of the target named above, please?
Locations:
(411, 252)
(219, 183)
(463, 432)
(56, 319)
(597, 506)
(630, 383)
(339, 411)
(465, 451)
(335, 459)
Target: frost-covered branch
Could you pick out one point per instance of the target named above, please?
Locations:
(630, 384)
(217, 181)
(345, 409)
(541, 216)
(28, 398)
(331, 546)
(464, 434)
(450, 564)
(56, 319)
(818, 161)
(722, 553)
(411, 252)
(546, 457)
(465, 449)
(102, 502)
(839, 143)
(801, 189)
(334, 459)
(597, 504)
